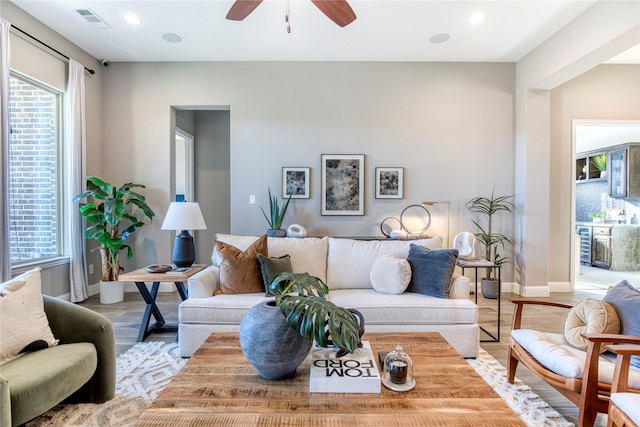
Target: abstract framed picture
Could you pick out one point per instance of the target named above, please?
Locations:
(389, 183)
(295, 183)
(342, 184)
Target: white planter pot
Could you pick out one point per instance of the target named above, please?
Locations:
(111, 292)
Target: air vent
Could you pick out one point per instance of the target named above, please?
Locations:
(92, 18)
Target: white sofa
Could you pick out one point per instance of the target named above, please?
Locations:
(344, 265)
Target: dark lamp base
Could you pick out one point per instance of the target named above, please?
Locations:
(184, 253)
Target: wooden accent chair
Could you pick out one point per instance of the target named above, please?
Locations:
(583, 389)
(624, 407)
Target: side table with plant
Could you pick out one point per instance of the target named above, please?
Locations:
(112, 215)
(492, 241)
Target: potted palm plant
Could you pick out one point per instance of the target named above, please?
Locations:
(275, 344)
(600, 162)
(110, 215)
(276, 216)
(492, 241)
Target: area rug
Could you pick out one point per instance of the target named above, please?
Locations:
(144, 370)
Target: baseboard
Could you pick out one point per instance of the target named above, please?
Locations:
(530, 291)
(560, 287)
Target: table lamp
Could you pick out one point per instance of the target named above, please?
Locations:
(184, 216)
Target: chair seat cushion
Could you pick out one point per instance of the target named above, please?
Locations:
(40, 380)
(629, 403)
(552, 351)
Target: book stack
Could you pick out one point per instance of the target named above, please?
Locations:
(356, 372)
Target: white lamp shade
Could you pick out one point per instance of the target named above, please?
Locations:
(184, 216)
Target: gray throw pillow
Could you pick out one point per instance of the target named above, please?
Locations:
(625, 300)
(271, 267)
(431, 270)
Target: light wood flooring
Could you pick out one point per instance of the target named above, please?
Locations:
(126, 318)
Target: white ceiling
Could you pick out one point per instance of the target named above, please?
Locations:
(385, 30)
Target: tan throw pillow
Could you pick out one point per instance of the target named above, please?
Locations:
(23, 322)
(240, 270)
(590, 316)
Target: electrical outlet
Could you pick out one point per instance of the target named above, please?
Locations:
(252, 199)
(90, 268)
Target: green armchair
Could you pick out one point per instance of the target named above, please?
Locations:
(81, 368)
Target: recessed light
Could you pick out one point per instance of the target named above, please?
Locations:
(132, 19)
(172, 38)
(439, 38)
(476, 18)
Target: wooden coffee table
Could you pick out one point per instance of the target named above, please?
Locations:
(218, 386)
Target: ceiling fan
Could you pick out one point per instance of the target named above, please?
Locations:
(338, 11)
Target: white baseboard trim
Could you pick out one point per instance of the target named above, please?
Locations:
(530, 291)
(560, 287)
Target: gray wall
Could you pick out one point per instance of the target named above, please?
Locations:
(449, 125)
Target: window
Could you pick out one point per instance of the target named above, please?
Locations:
(34, 170)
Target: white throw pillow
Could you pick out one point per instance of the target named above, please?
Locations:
(22, 317)
(390, 274)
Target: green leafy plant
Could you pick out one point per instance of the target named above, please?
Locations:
(593, 215)
(492, 241)
(600, 162)
(302, 299)
(276, 214)
(109, 211)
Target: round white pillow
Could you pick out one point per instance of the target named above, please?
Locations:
(390, 274)
(590, 316)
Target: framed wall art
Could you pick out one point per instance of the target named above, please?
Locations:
(389, 183)
(342, 185)
(295, 182)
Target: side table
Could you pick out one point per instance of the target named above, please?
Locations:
(478, 264)
(140, 277)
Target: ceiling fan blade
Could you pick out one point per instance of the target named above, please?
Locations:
(338, 11)
(241, 9)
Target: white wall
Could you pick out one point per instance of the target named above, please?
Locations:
(449, 125)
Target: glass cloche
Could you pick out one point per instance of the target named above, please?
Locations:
(398, 371)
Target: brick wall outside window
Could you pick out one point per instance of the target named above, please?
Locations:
(33, 160)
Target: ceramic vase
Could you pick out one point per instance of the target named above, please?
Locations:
(276, 233)
(269, 344)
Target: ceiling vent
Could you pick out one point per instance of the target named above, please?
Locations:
(91, 17)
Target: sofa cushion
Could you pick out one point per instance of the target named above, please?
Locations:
(431, 270)
(405, 309)
(270, 267)
(22, 317)
(551, 350)
(219, 310)
(390, 274)
(240, 270)
(349, 261)
(590, 316)
(38, 381)
(308, 255)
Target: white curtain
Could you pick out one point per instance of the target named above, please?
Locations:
(75, 149)
(5, 254)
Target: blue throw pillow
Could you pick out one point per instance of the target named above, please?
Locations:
(431, 270)
(625, 300)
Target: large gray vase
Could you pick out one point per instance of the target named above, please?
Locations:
(269, 344)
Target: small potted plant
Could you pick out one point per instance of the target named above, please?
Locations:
(600, 163)
(276, 216)
(489, 206)
(596, 216)
(276, 336)
(109, 212)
